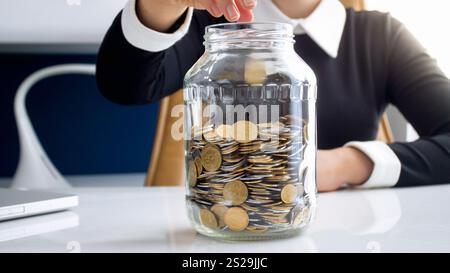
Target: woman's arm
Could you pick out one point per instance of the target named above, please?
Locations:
(133, 65)
(130, 75)
(151, 45)
(421, 92)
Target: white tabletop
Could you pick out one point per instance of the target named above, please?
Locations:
(137, 219)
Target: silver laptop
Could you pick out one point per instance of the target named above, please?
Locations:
(16, 203)
(30, 226)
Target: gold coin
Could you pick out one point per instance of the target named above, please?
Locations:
(245, 131)
(236, 192)
(192, 174)
(306, 214)
(255, 71)
(208, 219)
(305, 132)
(198, 165)
(196, 131)
(289, 193)
(257, 229)
(298, 219)
(236, 219)
(219, 210)
(211, 158)
(302, 216)
(230, 150)
(210, 135)
(224, 131)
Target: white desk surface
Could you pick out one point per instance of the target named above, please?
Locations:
(137, 219)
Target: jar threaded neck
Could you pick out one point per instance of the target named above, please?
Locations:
(266, 36)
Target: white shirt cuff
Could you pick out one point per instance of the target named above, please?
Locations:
(148, 39)
(386, 165)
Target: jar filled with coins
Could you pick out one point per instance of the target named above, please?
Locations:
(250, 134)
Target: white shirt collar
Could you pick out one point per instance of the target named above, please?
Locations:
(324, 25)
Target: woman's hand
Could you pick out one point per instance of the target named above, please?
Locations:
(233, 10)
(160, 15)
(342, 166)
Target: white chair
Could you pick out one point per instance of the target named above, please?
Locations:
(35, 170)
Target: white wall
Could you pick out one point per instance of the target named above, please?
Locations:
(428, 20)
(55, 22)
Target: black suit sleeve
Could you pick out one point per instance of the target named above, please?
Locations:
(129, 75)
(421, 91)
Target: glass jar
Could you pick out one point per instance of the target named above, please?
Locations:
(250, 134)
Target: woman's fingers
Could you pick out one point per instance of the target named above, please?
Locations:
(248, 4)
(245, 9)
(214, 10)
(233, 10)
(229, 9)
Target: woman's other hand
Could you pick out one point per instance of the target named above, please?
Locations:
(342, 166)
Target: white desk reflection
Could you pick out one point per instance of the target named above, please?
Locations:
(358, 211)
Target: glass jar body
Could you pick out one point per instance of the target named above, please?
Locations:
(250, 142)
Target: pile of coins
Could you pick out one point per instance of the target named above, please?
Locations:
(249, 177)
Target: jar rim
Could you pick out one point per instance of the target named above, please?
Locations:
(252, 35)
(257, 26)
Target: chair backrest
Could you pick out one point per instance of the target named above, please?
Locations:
(355, 4)
(167, 161)
(166, 166)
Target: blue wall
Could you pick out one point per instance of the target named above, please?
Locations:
(82, 132)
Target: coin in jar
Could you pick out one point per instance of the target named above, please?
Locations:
(245, 131)
(192, 174)
(208, 219)
(289, 193)
(198, 165)
(224, 131)
(219, 210)
(210, 135)
(235, 192)
(302, 217)
(305, 132)
(255, 71)
(211, 158)
(236, 219)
